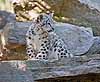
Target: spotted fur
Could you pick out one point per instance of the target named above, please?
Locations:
(43, 42)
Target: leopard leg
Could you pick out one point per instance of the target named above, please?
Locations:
(30, 48)
(60, 50)
(44, 50)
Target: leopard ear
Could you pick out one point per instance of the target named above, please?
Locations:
(50, 13)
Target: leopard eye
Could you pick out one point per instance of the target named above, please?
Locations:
(40, 18)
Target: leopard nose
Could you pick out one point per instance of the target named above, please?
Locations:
(51, 30)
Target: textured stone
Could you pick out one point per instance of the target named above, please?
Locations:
(6, 17)
(78, 39)
(10, 73)
(66, 67)
(92, 4)
(18, 33)
(95, 48)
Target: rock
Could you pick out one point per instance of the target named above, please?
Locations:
(18, 33)
(6, 17)
(10, 73)
(92, 4)
(67, 67)
(78, 39)
(95, 48)
(81, 40)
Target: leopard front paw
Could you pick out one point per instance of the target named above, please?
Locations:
(41, 56)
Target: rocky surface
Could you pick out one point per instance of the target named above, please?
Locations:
(95, 48)
(78, 39)
(67, 67)
(11, 71)
(93, 4)
(6, 17)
